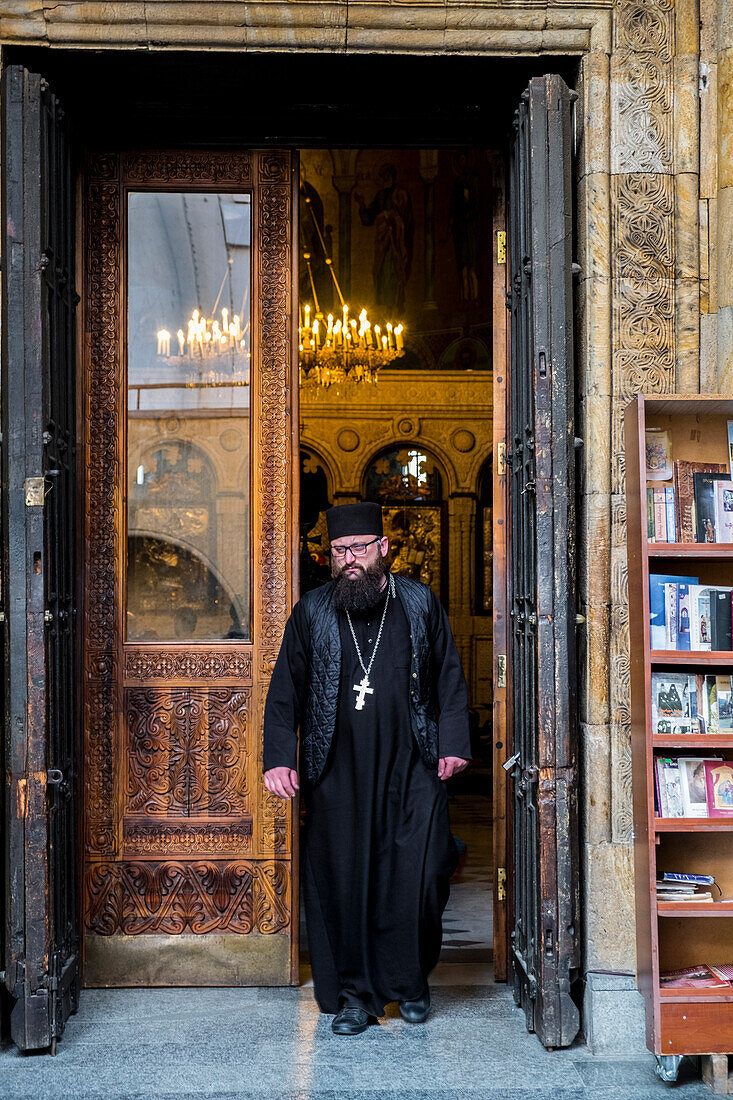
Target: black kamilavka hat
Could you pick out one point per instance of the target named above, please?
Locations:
(361, 518)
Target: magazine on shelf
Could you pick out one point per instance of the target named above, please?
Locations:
(692, 977)
(724, 971)
(669, 787)
(682, 876)
(674, 704)
(723, 511)
(693, 786)
(682, 786)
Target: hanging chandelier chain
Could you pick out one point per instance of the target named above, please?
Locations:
(328, 259)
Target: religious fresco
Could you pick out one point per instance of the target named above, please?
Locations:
(408, 233)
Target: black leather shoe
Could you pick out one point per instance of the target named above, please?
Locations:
(416, 1012)
(350, 1021)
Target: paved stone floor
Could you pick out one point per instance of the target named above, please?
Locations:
(272, 1044)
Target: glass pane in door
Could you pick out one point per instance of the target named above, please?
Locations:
(188, 417)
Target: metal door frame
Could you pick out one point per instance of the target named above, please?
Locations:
(541, 574)
(39, 574)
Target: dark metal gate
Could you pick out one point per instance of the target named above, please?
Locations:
(542, 564)
(39, 572)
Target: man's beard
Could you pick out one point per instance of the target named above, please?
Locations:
(359, 591)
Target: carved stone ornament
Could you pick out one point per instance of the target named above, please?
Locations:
(348, 440)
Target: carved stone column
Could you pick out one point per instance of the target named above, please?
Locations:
(428, 174)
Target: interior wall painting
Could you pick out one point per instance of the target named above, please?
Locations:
(409, 233)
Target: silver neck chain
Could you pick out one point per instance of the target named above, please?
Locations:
(367, 669)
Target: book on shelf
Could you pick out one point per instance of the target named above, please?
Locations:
(685, 615)
(724, 512)
(683, 876)
(682, 892)
(684, 487)
(668, 786)
(658, 454)
(693, 977)
(719, 787)
(693, 786)
(721, 636)
(675, 704)
(699, 508)
(661, 514)
(657, 605)
(705, 495)
(687, 786)
(724, 971)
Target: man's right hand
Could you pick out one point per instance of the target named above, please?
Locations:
(282, 781)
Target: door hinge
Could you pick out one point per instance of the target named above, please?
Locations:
(501, 460)
(22, 798)
(35, 491)
(501, 884)
(501, 246)
(501, 670)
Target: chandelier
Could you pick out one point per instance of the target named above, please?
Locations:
(344, 349)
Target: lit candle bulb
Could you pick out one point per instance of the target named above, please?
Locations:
(307, 318)
(317, 333)
(399, 341)
(225, 319)
(181, 341)
(164, 342)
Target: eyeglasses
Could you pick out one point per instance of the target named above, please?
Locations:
(358, 549)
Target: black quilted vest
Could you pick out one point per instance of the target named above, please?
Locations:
(324, 672)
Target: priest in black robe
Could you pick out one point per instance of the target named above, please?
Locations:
(369, 674)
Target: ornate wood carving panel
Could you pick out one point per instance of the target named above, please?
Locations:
(196, 896)
(180, 834)
(186, 752)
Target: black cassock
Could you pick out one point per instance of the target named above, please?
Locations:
(377, 852)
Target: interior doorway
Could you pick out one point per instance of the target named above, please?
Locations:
(402, 240)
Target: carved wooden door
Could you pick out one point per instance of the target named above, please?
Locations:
(188, 535)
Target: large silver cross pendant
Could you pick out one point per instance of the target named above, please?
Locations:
(362, 689)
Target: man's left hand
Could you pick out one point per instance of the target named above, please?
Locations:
(450, 765)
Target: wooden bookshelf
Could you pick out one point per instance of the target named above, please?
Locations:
(698, 550)
(718, 658)
(671, 936)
